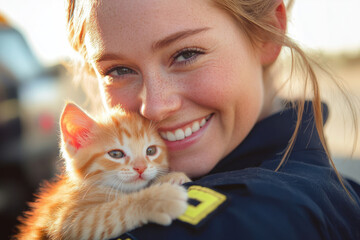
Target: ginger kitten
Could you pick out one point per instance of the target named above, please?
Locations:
(115, 179)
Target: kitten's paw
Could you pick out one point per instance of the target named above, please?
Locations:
(168, 201)
(174, 178)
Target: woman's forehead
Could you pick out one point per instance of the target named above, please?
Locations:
(136, 22)
(132, 15)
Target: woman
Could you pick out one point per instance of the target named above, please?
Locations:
(200, 70)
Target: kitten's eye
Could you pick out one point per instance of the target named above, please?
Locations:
(150, 151)
(116, 154)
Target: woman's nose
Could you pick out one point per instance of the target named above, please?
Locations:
(159, 97)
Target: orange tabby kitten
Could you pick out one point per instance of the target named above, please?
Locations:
(102, 193)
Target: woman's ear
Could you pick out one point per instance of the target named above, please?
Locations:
(271, 49)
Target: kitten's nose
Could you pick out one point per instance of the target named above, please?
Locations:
(140, 169)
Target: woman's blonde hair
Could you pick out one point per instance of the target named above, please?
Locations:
(253, 17)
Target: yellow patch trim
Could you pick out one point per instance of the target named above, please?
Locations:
(209, 201)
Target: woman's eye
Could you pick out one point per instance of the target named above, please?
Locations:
(116, 154)
(120, 71)
(187, 55)
(150, 151)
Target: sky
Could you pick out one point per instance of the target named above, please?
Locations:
(329, 25)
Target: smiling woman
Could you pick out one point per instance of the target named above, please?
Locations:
(201, 72)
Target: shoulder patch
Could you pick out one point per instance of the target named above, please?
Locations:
(207, 200)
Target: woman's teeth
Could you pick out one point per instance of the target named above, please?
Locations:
(182, 133)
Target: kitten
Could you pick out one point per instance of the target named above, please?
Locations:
(103, 191)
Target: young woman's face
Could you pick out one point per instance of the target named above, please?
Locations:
(185, 65)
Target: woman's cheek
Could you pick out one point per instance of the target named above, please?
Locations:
(111, 97)
(126, 96)
(109, 94)
(209, 86)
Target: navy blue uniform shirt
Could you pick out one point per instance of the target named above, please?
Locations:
(244, 198)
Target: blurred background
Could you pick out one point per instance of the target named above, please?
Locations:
(34, 86)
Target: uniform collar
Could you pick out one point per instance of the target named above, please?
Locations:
(269, 139)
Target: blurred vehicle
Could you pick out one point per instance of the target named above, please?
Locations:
(31, 98)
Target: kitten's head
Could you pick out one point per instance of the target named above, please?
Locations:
(121, 149)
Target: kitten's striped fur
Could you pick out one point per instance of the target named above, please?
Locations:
(100, 195)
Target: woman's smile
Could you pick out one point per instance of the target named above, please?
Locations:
(178, 138)
(179, 133)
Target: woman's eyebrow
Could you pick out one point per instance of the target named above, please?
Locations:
(176, 37)
(157, 45)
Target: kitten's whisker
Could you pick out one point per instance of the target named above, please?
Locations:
(153, 125)
(162, 172)
(86, 176)
(90, 179)
(90, 183)
(110, 190)
(114, 187)
(119, 185)
(113, 181)
(108, 194)
(88, 187)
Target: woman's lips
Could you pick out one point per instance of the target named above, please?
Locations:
(182, 137)
(185, 131)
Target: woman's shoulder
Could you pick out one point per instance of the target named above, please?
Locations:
(300, 201)
(304, 187)
(305, 178)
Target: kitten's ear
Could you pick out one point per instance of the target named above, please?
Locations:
(75, 126)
